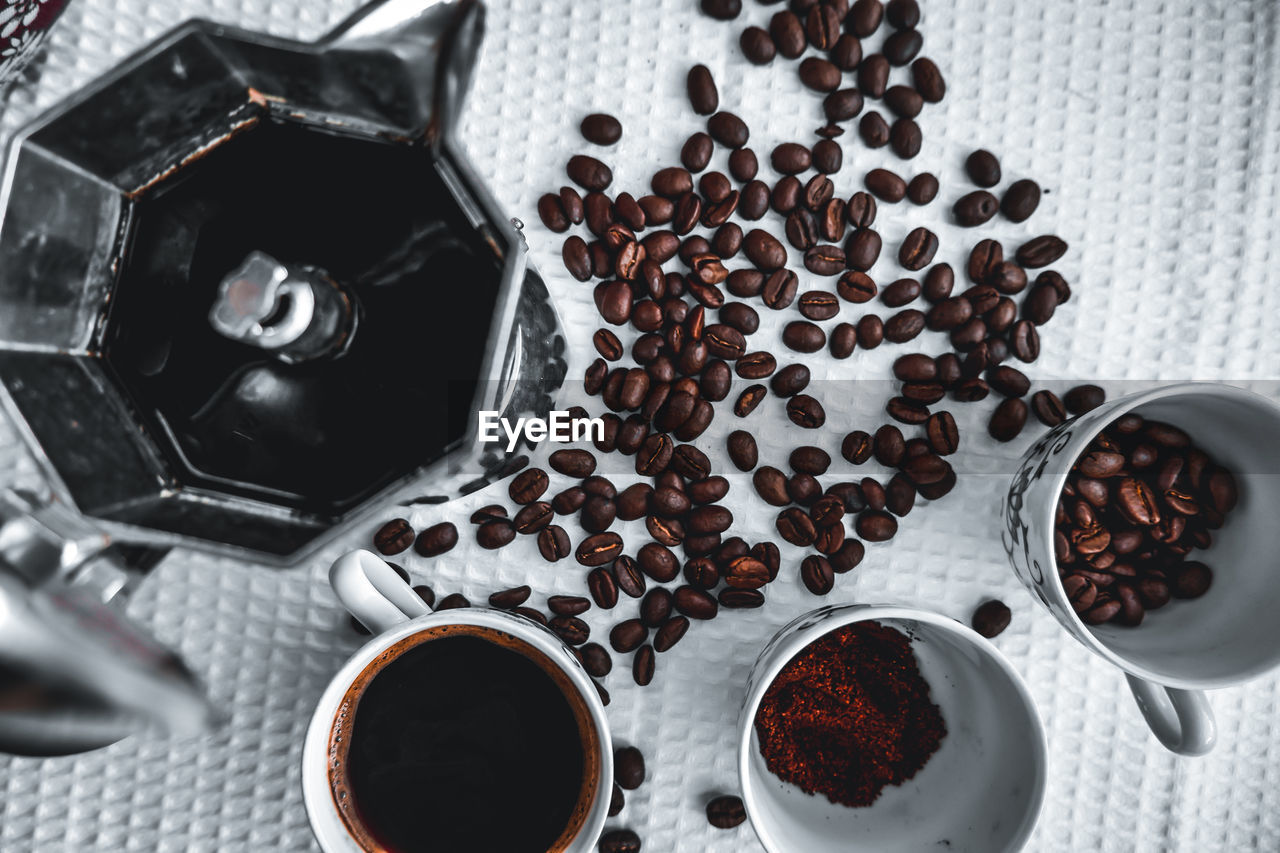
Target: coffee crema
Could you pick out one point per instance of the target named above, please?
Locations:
(463, 738)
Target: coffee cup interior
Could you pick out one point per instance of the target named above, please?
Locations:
(981, 791)
(1232, 632)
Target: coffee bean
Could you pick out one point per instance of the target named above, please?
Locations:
(928, 80)
(701, 86)
(742, 450)
(690, 462)
(1025, 341)
(904, 325)
(764, 250)
(589, 173)
(1009, 381)
(857, 447)
(757, 46)
(1041, 251)
(654, 455)
(577, 258)
(983, 168)
(991, 618)
(846, 54)
(1192, 580)
(873, 75)
(923, 188)
(456, 601)
(1020, 200)
(804, 411)
(856, 287)
(886, 185)
(628, 767)
(824, 260)
(771, 485)
(723, 10)
(874, 130)
(627, 636)
(601, 129)
(598, 549)
(436, 539)
(551, 212)
(817, 574)
(727, 129)
(819, 74)
(918, 249)
(533, 517)
(1008, 419)
(975, 208)
(694, 603)
(810, 460)
(746, 572)
(510, 598)
(393, 537)
(1084, 398)
(862, 250)
(748, 400)
(903, 46)
(495, 533)
(788, 34)
(657, 561)
(864, 17)
(876, 525)
(841, 105)
(903, 101)
(528, 485)
(1048, 408)
(796, 527)
(906, 138)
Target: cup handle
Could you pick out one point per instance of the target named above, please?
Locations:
(1182, 720)
(373, 592)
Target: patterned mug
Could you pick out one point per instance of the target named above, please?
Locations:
(1229, 635)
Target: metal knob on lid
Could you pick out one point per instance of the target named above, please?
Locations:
(298, 313)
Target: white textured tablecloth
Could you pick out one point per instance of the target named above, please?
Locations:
(1155, 127)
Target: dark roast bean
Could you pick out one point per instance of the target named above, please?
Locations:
(657, 561)
(780, 289)
(757, 45)
(862, 249)
(1048, 408)
(975, 208)
(528, 485)
(903, 101)
(843, 340)
(841, 105)
(886, 185)
(905, 138)
(873, 75)
(394, 537)
(796, 527)
(788, 34)
(874, 130)
(1084, 398)
(533, 517)
(598, 549)
(824, 260)
(627, 636)
(864, 17)
(1008, 419)
(876, 525)
(918, 249)
(577, 258)
(436, 539)
(764, 250)
(991, 618)
(803, 336)
(553, 543)
(552, 214)
(903, 46)
(727, 129)
(870, 331)
(786, 194)
(771, 485)
(694, 603)
(495, 534)
(742, 450)
(923, 188)
(701, 87)
(1041, 251)
(1009, 381)
(828, 157)
(1020, 200)
(1025, 341)
(857, 447)
(856, 287)
(983, 168)
(904, 325)
(817, 574)
(724, 10)
(748, 400)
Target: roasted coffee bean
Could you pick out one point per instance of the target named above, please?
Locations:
(607, 344)
(899, 495)
(1025, 341)
(810, 460)
(394, 537)
(902, 14)
(983, 168)
(577, 258)
(568, 605)
(827, 511)
(870, 331)
(708, 490)
(804, 411)
(1041, 251)
(552, 214)
(1192, 580)
(748, 400)
(803, 489)
(984, 258)
(601, 129)
(746, 572)
(780, 289)
(817, 574)
(690, 462)
(701, 86)
(694, 603)
(822, 26)
(771, 485)
(629, 211)
(742, 450)
(796, 527)
(918, 249)
(786, 194)
(862, 249)
(727, 240)
(533, 517)
(702, 572)
(991, 618)
(729, 130)
(1020, 200)
(841, 105)
(596, 661)
(627, 636)
(1009, 381)
(788, 34)
(754, 200)
(598, 549)
(843, 340)
(665, 531)
(904, 325)
(657, 211)
(603, 587)
(571, 204)
(886, 185)
(573, 462)
(724, 10)
(589, 173)
(876, 525)
(528, 485)
(457, 600)
(657, 561)
(848, 557)
(1008, 419)
(654, 455)
(864, 17)
(874, 130)
(905, 138)
(553, 543)
(436, 539)
(764, 250)
(628, 767)
(824, 260)
(943, 435)
(975, 208)
(495, 534)
(873, 75)
(926, 469)
(831, 220)
(828, 156)
(670, 633)
(856, 287)
(757, 45)
(714, 186)
(923, 188)
(903, 46)
(916, 367)
(791, 158)
(598, 514)
(903, 101)
(655, 607)
(1084, 398)
(846, 53)
(939, 283)
(857, 447)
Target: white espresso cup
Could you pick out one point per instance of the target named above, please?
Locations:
(980, 792)
(1225, 637)
(373, 593)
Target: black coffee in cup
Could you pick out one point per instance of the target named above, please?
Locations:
(469, 739)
